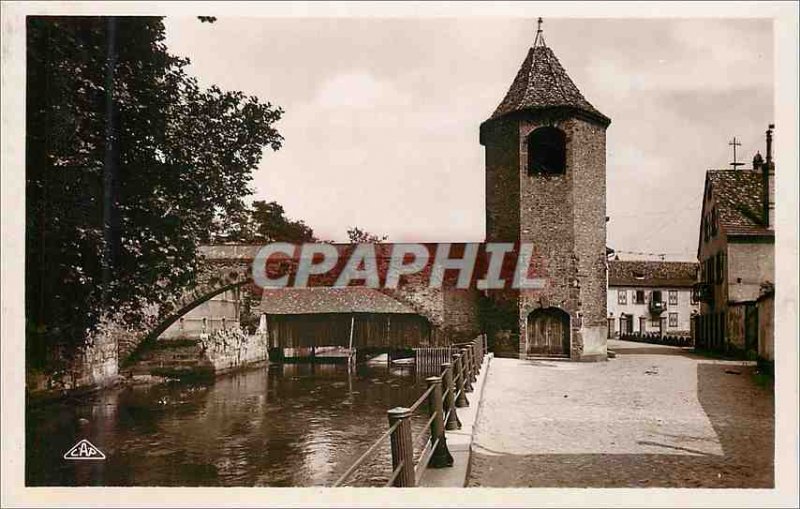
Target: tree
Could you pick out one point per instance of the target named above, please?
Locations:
(130, 165)
(271, 225)
(262, 223)
(359, 236)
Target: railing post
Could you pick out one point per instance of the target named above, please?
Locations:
(466, 369)
(474, 362)
(449, 398)
(441, 456)
(476, 359)
(458, 371)
(402, 447)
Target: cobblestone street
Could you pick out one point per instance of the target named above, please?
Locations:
(654, 416)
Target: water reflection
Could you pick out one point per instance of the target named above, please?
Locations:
(286, 425)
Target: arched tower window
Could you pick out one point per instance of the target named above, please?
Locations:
(547, 151)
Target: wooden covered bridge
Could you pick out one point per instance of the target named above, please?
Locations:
(358, 319)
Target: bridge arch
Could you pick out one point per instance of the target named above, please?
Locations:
(212, 281)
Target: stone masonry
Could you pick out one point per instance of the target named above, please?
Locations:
(562, 215)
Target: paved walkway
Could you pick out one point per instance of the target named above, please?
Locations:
(652, 416)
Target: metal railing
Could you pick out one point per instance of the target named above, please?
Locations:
(444, 394)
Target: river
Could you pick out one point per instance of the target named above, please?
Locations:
(277, 425)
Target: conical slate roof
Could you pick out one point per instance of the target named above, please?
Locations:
(543, 83)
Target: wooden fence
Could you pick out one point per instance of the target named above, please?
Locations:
(445, 393)
(428, 361)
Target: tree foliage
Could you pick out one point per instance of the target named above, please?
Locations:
(130, 165)
(359, 236)
(262, 223)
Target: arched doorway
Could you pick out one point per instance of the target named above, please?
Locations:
(548, 333)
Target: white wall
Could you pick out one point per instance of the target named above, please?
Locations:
(223, 306)
(684, 309)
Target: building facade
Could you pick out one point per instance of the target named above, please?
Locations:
(545, 155)
(651, 297)
(736, 251)
(221, 312)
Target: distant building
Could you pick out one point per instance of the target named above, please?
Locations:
(736, 251)
(650, 297)
(220, 312)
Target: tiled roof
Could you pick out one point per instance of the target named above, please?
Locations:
(298, 301)
(543, 83)
(655, 274)
(738, 195)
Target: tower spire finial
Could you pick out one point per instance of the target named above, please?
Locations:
(539, 37)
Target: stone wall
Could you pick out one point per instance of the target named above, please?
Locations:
(231, 349)
(94, 365)
(461, 313)
(563, 216)
(734, 329)
(502, 180)
(766, 327)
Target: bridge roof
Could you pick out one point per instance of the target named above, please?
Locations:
(300, 301)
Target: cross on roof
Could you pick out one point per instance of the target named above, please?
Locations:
(735, 143)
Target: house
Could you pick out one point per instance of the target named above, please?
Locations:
(651, 297)
(736, 251)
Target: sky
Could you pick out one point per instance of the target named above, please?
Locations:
(382, 115)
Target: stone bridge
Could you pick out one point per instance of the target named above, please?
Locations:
(451, 313)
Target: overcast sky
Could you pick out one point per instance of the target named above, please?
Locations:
(382, 115)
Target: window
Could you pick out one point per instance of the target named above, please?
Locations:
(655, 322)
(673, 319)
(656, 295)
(673, 297)
(714, 222)
(711, 276)
(547, 151)
(638, 297)
(622, 296)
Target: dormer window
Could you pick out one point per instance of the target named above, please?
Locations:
(547, 151)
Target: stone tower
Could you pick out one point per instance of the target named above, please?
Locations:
(545, 151)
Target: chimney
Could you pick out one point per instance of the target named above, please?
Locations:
(768, 182)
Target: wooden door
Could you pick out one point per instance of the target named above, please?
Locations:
(548, 333)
